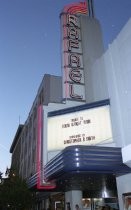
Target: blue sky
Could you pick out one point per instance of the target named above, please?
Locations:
(30, 47)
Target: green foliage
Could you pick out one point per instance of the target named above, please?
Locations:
(1, 175)
(14, 193)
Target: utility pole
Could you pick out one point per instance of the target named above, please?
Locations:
(90, 5)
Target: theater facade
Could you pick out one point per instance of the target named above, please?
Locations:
(74, 148)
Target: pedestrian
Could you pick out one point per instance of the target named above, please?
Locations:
(68, 206)
(77, 207)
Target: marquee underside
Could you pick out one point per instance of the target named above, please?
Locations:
(86, 159)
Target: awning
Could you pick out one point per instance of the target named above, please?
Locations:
(86, 159)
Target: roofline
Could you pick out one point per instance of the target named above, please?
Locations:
(18, 132)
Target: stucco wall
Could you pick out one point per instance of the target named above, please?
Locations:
(111, 78)
(92, 47)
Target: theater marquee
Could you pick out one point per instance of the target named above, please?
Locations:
(84, 127)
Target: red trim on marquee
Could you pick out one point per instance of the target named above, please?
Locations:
(39, 152)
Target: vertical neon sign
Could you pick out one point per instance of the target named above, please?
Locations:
(72, 63)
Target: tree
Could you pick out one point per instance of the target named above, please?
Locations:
(1, 177)
(14, 193)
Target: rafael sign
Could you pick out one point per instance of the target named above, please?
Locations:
(72, 61)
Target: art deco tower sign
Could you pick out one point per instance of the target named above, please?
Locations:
(72, 55)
